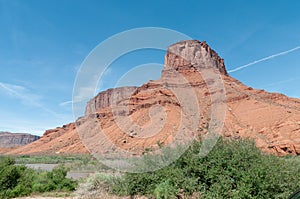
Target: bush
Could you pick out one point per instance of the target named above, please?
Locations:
(17, 180)
(165, 190)
(53, 181)
(96, 185)
(233, 169)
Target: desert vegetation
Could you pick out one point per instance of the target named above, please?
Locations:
(18, 180)
(52, 159)
(233, 169)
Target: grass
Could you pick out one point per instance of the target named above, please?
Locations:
(51, 159)
(73, 162)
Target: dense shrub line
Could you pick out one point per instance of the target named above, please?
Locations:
(18, 180)
(233, 169)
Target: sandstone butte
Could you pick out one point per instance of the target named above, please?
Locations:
(272, 120)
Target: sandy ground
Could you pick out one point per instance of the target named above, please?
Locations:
(101, 196)
(37, 197)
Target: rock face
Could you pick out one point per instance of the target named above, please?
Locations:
(138, 118)
(107, 98)
(193, 53)
(8, 140)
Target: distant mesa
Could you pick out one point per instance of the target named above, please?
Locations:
(8, 140)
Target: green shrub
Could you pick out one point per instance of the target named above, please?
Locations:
(18, 180)
(233, 169)
(165, 190)
(53, 181)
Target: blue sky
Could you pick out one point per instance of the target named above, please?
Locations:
(43, 43)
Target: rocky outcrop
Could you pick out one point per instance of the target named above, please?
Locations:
(107, 98)
(8, 140)
(193, 53)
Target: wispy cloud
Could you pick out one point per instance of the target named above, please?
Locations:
(70, 102)
(264, 59)
(66, 103)
(35, 126)
(84, 94)
(24, 94)
(279, 82)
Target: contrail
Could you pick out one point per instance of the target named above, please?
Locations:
(264, 59)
